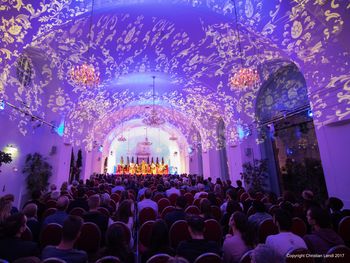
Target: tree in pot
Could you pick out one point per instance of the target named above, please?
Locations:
(255, 175)
(38, 172)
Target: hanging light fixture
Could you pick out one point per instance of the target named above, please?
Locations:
(152, 118)
(121, 137)
(85, 74)
(146, 142)
(244, 77)
(173, 137)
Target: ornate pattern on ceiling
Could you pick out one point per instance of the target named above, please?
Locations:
(192, 45)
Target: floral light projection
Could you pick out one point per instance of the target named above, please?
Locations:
(196, 56)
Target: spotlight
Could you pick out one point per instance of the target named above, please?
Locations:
(310, 113)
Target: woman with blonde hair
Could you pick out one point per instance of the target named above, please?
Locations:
(5, 209)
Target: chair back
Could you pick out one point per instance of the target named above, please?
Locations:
(145, 233)
(208, 258)
(298, 227)
(251, 211)
(192, 209)
(90, 238)
(113, 205)
(103, 210)
(189, 198)
(172, 198)
(273, 208)
(344, 229)
(53, 260)
(157, 197)
(338, 254)
(51, 235)
(163, 203)
(216, 212)
(126, 230)
(178, 232)
(108, 259)
(115, 197)
(213, 230)
(48, 212)
(266, 228)
(147, 214)
(244, 196)
(77, 211)
(246, 257)
(298, 255)
(197, 202)
(167, 210)
(158, 258)
(27, 234)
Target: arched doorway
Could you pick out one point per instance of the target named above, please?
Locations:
(286, 125)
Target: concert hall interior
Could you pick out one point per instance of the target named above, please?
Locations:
(251, 90)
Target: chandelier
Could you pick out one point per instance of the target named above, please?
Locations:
(85, 74)
(146, 142)
(245, 77)
(153, 118)
(121, 137)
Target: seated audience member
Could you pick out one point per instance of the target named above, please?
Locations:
(230, 195)
(118, 186)
(11, 245)
(285, 240)
(60, 215)
(232, 206)
(178, 213)
(264, 254)
(239, 185)
(116, 245)
(36, 199)
(322, 237)
(125, 214)
(212, 199)
(159, 241)
(218, 190)
(160, 190)
(172, 190)
(30, 210)
(105, 202)
(79, 201)
(65, 250)
(197, 245)
(200, 191)
(335, 205)
(95, 216)
(260, 214)
(11, 198)
(147, 202)
(142, 190)
(205, 208)
(5, 209)
(240, 242)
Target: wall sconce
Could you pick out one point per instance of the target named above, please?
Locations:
(11, 150)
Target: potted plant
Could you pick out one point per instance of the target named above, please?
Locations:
(255, 175)
(38, 172)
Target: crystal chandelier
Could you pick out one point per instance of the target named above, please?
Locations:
(153, 118)
(146, 142)
(85, 74)
(121, 137)
(245, 77)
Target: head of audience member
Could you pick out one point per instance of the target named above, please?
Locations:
(286, 205)
(239, 183)
(62, 203)
(94, 202)
(196, 227)
(181, 202)
(30, 210)
(159, 235)
(231, 194)
(233, 206)
(9, 197)
(335, 204)
(263, 254)
(259, 206)
(5, 209)
(177, 259)
(283, 220)
(116, 239)
(217, 189)
(105, 199)
(148, 193)
(239, 224)
(318, 218)
(81, 193)
(160, 188)
(200, 187)
(205, 207)
(212, 198)
(15, 225)
(71, 229)
(124, 211)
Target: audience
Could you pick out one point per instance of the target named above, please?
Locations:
(11, 244)
(178, 213)
(147, 202)
(79, 201)
(240, 242)
(30, 210)
(264, 254)
(65, 250)
(322, 237)
(205, 208)
(60, 215)
(260, 214)
(197, 245)
(284, 241)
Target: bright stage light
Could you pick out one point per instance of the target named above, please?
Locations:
(2, 104)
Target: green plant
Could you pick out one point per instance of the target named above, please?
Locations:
(38, 172)
(255, 175)
(5, 158)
